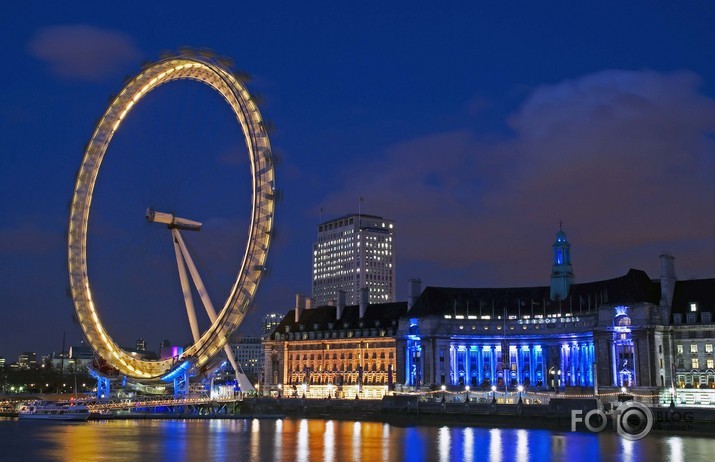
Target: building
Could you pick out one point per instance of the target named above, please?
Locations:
(630, 331)
(653, 335)
(693, 334)
(352, 252)
(270, 322)
(27, 360)
(141, 345)
(248, 352)
(338, 351)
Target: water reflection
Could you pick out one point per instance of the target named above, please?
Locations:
(316, 440)
(495, 445)
(302, 442)
(468, 444)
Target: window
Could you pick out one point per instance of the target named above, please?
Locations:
(708, 348)
(706, 318)
(709, 363)
(690, 318)
(679, 349)
(693, 348)
(694, 363)
(693, 307)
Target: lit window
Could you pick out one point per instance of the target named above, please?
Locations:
(693, 307)
(693, 348)
(694, 363)
(679, 349)
(708, 348)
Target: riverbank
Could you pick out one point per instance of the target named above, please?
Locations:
(410, 410)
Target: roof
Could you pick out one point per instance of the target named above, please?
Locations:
(319, 318)
(634, 287)
(699, 291)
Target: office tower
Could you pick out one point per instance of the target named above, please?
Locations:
(352, 252)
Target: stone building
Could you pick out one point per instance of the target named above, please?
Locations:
(339, 350)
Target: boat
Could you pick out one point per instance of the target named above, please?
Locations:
(48, 410)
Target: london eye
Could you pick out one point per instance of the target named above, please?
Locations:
(211, 341)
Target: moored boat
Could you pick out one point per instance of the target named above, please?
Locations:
(47, 410)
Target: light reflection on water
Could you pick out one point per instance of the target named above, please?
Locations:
(327, 440)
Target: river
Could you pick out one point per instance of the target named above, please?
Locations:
(324, 440)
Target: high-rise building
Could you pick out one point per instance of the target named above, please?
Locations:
(270, 322)
(352, 252)
(141, 345)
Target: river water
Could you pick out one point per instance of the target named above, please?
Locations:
(324, 440)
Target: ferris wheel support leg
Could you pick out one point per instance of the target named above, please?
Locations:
(178, 240)
(186, 290)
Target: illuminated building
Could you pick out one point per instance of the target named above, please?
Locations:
(630, 331)
(352, 252)
(27, 360)
(248, 352)
(619, 332)
(334, 350)
(270, 322)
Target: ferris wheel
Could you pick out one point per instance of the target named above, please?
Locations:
(216, 74)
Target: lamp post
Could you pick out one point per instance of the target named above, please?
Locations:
(443, 389)
(304, 387)
(520, 388)
(494, 394)
(467, 390)
(280, 389)
(672, 397)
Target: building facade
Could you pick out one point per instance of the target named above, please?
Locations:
(352, 252)
(630, 331)
(270, 322)
(338, 351)
(248, 352)
(655, 335)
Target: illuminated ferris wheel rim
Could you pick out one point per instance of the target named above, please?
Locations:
(221, 79)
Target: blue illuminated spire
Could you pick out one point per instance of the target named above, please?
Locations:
(561, 270)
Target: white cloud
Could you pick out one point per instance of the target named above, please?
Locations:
(82, 51)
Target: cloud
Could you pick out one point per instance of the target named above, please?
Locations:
(625, 158)
(29, 239)
(81, 51)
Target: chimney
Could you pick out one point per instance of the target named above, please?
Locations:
(414, 292)
(299, 306)
(308, 303)
(667, 285)
(340, 305)
(364, 300)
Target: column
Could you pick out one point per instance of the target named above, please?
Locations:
(468, 366)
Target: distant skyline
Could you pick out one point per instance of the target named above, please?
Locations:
(477, 128)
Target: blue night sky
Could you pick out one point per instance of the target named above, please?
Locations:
(477, 128)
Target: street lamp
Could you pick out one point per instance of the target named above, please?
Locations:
(494, 394)
(304, 387)
(520, 388)
(330, 390)
(467, 390)
(280, 389)
(672, 397)
(443, 389)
